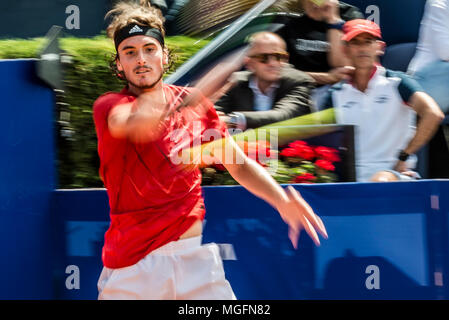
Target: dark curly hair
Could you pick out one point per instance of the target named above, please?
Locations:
(125, 13)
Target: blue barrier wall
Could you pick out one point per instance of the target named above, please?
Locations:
(391, 226)
(26, 182)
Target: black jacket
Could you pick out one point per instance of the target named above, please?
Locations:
(292, 98)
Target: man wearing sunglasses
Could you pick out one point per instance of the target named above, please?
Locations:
(269, 91)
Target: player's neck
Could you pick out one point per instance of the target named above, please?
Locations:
(156, 93)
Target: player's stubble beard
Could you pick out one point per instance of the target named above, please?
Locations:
(144, 87)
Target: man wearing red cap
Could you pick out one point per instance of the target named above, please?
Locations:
(382, 105)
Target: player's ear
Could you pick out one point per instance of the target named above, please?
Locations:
(119, 65)
(165, 56)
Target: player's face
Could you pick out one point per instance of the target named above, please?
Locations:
(363, 50)
(142, 60)
(266, 60)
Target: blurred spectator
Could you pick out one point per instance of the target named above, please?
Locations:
(314, 41)
(381, 104)
(430, 66)
(270, 91)
(161, 5)
(205, 17)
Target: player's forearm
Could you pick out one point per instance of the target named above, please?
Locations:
(425, 130)
(258, 181)
(136, 120)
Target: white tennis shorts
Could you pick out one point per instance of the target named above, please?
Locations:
(183, 269)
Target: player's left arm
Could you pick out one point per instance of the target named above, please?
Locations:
(294, 210)
(430, 117)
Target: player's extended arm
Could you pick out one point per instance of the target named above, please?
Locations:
(133, 120)
(293, 209)
(141, 121)
(430, 116)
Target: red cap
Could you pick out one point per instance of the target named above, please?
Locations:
(355, 27)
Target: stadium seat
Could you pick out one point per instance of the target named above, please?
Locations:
(398, 56)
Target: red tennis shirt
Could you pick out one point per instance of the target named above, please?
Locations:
(152, 199)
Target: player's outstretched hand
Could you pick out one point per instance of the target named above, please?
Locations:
(297, 213)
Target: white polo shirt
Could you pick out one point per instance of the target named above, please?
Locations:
(384, 123)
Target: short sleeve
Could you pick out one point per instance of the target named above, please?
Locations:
(107, 145)
(213, 120)
(101, 108)
(407, 87)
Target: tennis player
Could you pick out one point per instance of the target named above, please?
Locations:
(153, 247)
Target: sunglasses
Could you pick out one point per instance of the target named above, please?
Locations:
(265, 57)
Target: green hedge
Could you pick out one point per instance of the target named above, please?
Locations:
(86, 78)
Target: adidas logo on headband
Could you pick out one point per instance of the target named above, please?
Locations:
(136, 28)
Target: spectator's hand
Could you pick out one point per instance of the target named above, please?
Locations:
(342, 73)
(331, 12)
(412, 174)
(401, 167)
(225, 118)
(297, 213)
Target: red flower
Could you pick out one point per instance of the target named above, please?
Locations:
(297, 144)
(219, 166)
(328, 154)
(324, 164)
(288, 152)
(305, 152)
(299, 149)
(305, 178)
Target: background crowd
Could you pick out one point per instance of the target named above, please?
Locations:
(308, 54)
(329, 57)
